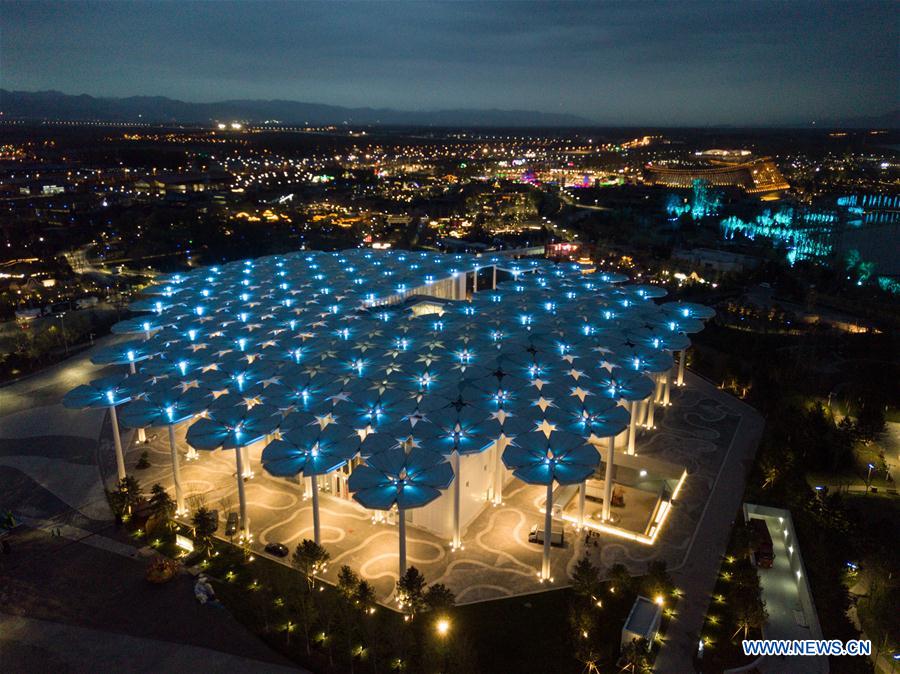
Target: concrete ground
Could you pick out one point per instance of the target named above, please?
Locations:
(78, 602)
(709, 432)
(496, 560)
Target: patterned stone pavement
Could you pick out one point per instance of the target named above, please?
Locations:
(496, 559)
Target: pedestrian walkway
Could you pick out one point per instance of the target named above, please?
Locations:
(29, 644)
(80, 535)
(781, 592)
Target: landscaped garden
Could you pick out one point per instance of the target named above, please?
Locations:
(341, 628)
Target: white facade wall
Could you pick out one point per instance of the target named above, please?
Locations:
(475, 489)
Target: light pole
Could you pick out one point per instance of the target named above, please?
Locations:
(869, 477)
(62, 329)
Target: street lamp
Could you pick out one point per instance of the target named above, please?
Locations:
(62, 329)
(869, 477)
(442, 627)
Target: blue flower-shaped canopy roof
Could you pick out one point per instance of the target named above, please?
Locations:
(394, 477)
(231, 426)
(132, 351)
(564, 457)
(137, 325)
(348, 340)
(309, 451)
(164, 405)
(600, 417)
(104, 392)
(623, 384)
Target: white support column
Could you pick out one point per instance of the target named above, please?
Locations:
(141, 433)
(242, 498)
(582, 489)
(607, 485)
(667, 387)
(401, 522)
(456, 543)
(176, 473)
(548, 527)
(117, 443)
(651, 407)
(498, 474)
(248, 471)
(475, 281)
(494, 281)
(681, 358)
(657, 390)
(317, 532)
(631, 425)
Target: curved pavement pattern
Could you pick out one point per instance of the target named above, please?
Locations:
(50, 478)
(700, 431)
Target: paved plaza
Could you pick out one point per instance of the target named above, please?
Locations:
(496, 559)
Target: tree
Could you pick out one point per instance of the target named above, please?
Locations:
(162, 506)
(205, 524)
(411, 591)
(870, 421)
(126, 496)
(348, 583)
(749, 610)
(657, 582)
(745, 598)
(585, 578)
(307, 613)
(585, 639)
(634, 657)
(365, 596)
(310, 558)
(620, 578)
(439, 597)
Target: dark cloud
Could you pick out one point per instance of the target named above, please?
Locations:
(666, 63)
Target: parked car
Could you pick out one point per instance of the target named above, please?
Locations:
(231, 524)
(277, 549)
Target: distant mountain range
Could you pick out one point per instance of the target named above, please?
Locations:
(55, 105)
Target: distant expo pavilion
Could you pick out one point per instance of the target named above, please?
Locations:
(418, 384)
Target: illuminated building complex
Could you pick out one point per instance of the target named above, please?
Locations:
(721, 168)
(414, 383)
(858, 233)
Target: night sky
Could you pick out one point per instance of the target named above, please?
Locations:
(681, 63)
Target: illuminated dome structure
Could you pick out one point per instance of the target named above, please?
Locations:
(333, 361)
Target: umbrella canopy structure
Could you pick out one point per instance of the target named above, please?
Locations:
(165, 406)
(538, 458)
(398, 351)
(403, 479)
(233, 425)
(105, 392)
(310, 451)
